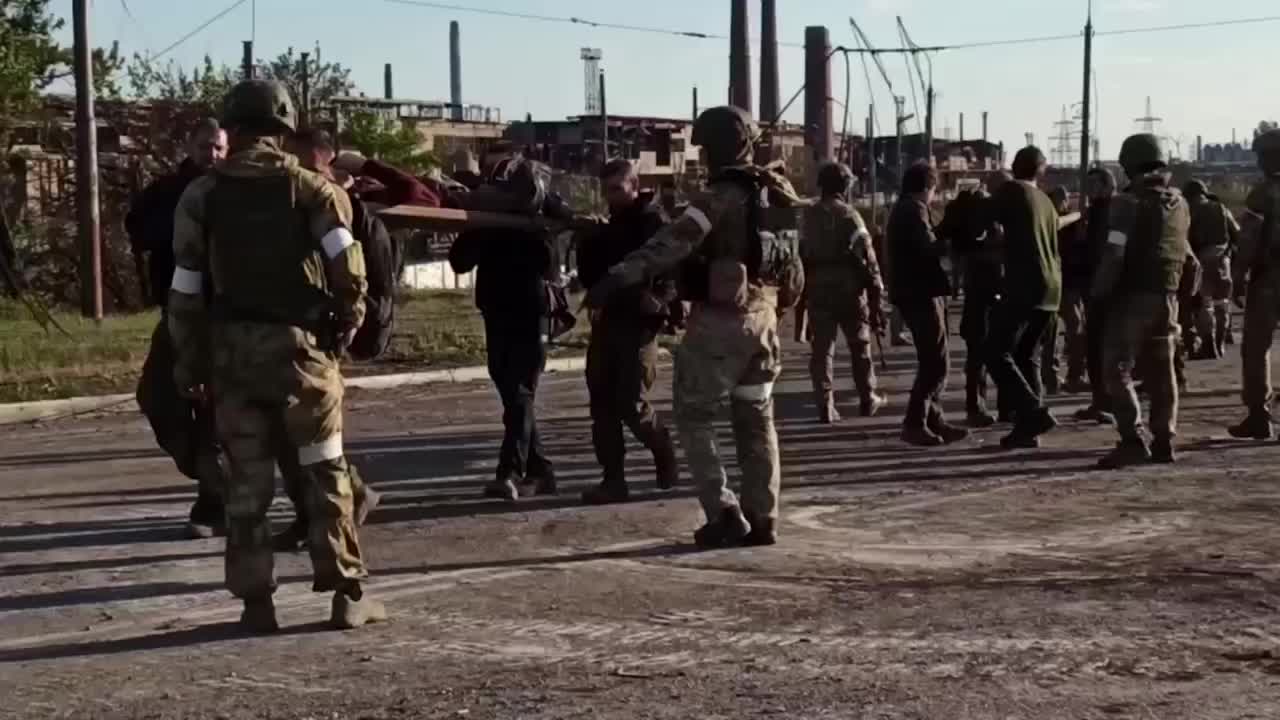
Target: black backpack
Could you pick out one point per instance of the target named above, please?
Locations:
(382, 265)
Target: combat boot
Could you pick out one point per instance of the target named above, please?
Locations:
(1162, 451)
(504, 488)
(980, 419)
(259, 616)
(611, 490)
(1095, 414)
(762, 533)
(352, 608)
(827, 412)
(667, 468)
(921, 437)
(728, 530)
(1257, 426)
(1127, 453)
(872, 404)
(947, 432)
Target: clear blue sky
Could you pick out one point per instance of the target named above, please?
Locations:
(1205, 81)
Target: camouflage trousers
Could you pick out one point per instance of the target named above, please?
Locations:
(1214, 318)
(734, 357)
(1262, 312)
(1142, 325)
(1067, 335)
(828, 321)
(271, 385)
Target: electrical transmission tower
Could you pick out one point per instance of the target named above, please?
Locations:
(1064, 149)
(591, 58)
(1149, 123)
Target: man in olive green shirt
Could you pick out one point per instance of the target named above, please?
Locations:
(1030, 296)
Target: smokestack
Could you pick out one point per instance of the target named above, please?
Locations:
(984, 126)
(455, 69)
(388, 91)
(695, 103)
(817, 92)
(961, 127)
(740, 56)
(770, 101)
(1199, 148)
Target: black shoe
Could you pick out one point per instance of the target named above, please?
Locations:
(502, 489)
(1126, 454)
(1037, 423)
(921, 437)
(207, 519)
(980, 419)
(259, 616)
(949, 433)
(762, 533)
(1257, 426)
(1019, 441)
(728, 530)
(1162, 451)
(543, 480)
(606, 493)
(1208, 352)
(291, 539)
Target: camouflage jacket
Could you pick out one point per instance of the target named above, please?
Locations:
(1260, 236)
(839, 259)
(209, 267)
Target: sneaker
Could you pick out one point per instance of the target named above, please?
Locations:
(762, 533)
(1257, 426)
(348, 613)
(949, 433)
(259, 616)
(921, 437)
(980, 419)
(502, 489)
(873, 404)
(728, 530)
(1163, 452)
(1126, 453)
(366, 499)
(606, 493)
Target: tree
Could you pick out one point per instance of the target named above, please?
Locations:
(204, 86)
(327, 80)
(388, 140)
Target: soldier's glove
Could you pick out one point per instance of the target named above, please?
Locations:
(620, 276)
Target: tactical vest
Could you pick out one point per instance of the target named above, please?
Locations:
(1209, 227)
(264, 264)
(1158, 245)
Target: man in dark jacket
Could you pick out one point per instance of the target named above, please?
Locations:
(1070, 319)
(183, 428)
(1101, 189)
(1030, 296)
(514, 269)
(919, 288)
(622, 360)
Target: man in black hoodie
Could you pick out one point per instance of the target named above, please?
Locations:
(622, 360)
(514, 272)
(183, 429)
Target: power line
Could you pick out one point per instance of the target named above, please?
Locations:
(200, 28)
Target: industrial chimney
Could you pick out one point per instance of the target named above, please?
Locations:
(455, 69)
(740, 56)
(770, 101)
(388, 91)
(984, 126)
(961, 127)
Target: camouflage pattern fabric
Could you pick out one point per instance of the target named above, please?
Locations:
(1257, 275)
(1142, 324)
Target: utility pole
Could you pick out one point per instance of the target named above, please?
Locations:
(928, 122)
(87, 213)
(246, 63)
(899, 102)
(604, 124)
(1085, 108)
(871, 160)
(304, 112)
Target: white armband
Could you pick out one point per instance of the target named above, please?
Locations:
(187, 282)
(698, 217)
(336, 241)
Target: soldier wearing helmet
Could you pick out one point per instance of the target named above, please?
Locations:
(1146, 265)
(737, 281)
(1213, 234)
(268, 291)
(1257, 277)
(845, 292)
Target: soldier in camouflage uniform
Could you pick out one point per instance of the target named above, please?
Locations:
(845, 292)
(268, 290)
(731, 351)
(1257, 278)
(1213, 234)
(1140, 273)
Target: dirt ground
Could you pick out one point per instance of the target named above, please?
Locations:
(955, 583)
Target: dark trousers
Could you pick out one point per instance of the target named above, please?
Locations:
(1095, 329)
(927, 321)
(183, 429)
(1013, 354)
(517, 356)
(622, 365)
(975, 323)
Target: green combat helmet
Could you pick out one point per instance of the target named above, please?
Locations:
(260, 104)
(1141, 154)
(1267, 147)
(834, 178)
(727, 133)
